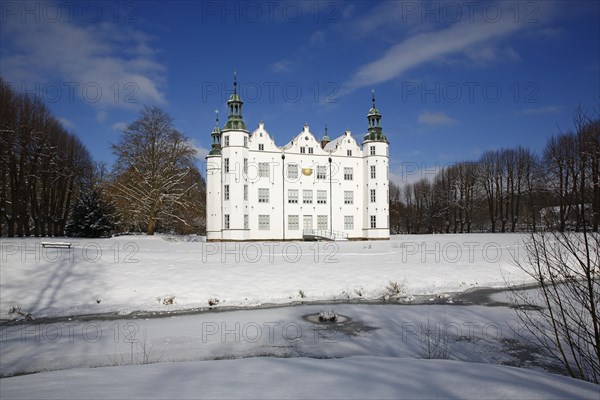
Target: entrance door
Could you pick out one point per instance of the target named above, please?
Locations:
(307, 222)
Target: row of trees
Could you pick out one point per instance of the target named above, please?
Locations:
(509, 189)
(50, 186)
(42, 167)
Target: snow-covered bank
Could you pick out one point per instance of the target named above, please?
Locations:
(140, 273)
(300, 378)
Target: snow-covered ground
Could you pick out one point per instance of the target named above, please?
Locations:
(300, 378)
(133, 273)
(373, 351)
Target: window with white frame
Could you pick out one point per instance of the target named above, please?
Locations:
(307, 196)
(310, 150)
(245, 141)
(246, 222)
(226, 164)
(246, 192)
(321, 171)
(264, 222)
(263, 195)
(261, 147)
(372, 150)
(373, 221)
(226, 221)
(293, 222)
(245, 166)
(348, 174)
(302, 149)
(349, 152)
(349, 222)
(226, 140)
(292, 171)
(226, 192)
(348, 197)
(372, 195)
(263, 170)
(293, 196)
(322, 222)
(321, 196)
(373, 175)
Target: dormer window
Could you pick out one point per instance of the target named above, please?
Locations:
(261, 147)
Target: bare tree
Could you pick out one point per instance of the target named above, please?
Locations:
(152, 171)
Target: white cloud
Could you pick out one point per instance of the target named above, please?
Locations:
(435, 118)
(424, 43)
(67, 123)
(105, 64)
(201, 151)
(281, 66)
(119, 126)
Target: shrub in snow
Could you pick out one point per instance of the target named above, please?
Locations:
(394, 290)
(16, 313)
(359, 292)
(301, 293)
(213, 301)
(328, 316)
(92, 216)
(169, 300)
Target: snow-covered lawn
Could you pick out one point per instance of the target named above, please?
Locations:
(161, 273)
(379, 351)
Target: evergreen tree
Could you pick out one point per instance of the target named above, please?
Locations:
(92, 216)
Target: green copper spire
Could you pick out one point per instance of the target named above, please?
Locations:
(215, 149)
(326, 137)
(374, 117)
(235, 120)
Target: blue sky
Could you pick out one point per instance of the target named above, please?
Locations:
(452, 79)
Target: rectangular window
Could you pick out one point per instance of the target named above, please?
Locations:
(302, 149)
(307, 196)
(292, 171)
(348, 197)
(321, 172)
(322, 222)
(226, 192)
(246, 221)
(225, 140)
(348, 174)
(321, 196)
(261, 147)
(349, 152)
(263, 170)
(348, 222)
(246, 192)
(293, 222)
(372, 150)
(226, 221)
(245, 141)
(293, 196)
(372, 195)
(310, 150)
(373, 172)
(226, 164)
(264, 222)
(263, 195)
(373, 221)
(245, 166)
(307, 222)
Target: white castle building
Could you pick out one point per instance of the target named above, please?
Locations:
(256, 190)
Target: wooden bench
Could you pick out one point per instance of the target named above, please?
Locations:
(59, 245)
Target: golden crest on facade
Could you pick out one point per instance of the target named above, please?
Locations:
(307, 171)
